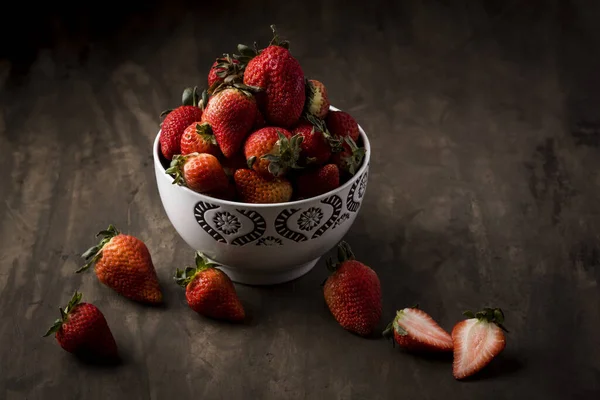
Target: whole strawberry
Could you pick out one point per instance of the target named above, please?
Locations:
(281, 79)
(83, 330)
(353, 293)
(231, 114)
(202, 173)
(317, 143)
(123, 263)
(316, 181)
(272, 151)
(342, 124)
(477, 341)
(317, 102)
(253, 187)
(209, 291)
(176, 121)
(198, 138)
(414, 329)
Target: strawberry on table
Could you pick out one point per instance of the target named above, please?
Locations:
(414, 329)
(231, 113)
(353, 293)
(316, 181)
(123, 263)
(202, 173)
(272, 151)
(177, 120)
(83, 330)
(477, 340)
(209, 291)
(252, 187)
(317, 102)
(198, 138)
(281, 79)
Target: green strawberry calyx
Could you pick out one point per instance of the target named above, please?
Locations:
(277, 41)
(344, 253)
(204, 130)
(190, 97)
(94, 253)
(284, 155)
(176, 167)
(394, 326)
(355, 159)
(490, 315)
(318, 124)
(73, 303)
(184, 276)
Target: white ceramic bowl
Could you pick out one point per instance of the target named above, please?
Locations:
(263, 244)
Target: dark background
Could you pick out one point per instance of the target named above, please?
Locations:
(484, 190)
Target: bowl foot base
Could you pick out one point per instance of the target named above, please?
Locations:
(268, 278)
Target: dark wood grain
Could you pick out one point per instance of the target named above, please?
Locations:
(484, 190)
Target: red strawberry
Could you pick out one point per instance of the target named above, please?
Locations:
(272, 151)
(477, 341)
(221, 68)
(313, 182)
(252, 187)
(316, 142)
(198, 138)
(414, 329)
(200, 172)
(176, 121)
(123, 263)
(350, 158)
(317, 102)
(83, 330)
(353, 293)
(342, 124)
(231, 114)
(281, 79)
(209, 291)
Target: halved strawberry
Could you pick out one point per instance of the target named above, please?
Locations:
(414, 329)
(477, 341)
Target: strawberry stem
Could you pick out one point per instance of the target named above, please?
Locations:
(344, 253)
(74, 302)
(94, 253)
(276, 41)
(184, 276)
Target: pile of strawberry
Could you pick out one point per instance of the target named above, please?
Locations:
(261, 132)
(352, 293)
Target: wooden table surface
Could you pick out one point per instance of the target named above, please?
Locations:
(484, 190)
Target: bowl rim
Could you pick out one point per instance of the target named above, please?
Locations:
(203, 197)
